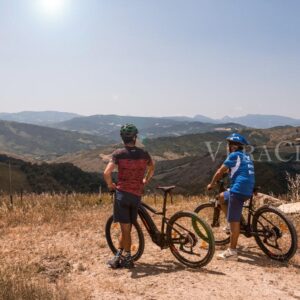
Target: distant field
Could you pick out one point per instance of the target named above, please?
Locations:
(54, 247)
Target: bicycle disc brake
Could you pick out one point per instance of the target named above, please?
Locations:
(271, 237)
(187, 243)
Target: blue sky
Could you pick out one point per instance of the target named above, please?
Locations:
(151, 58)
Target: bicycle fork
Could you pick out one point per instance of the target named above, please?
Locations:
(216, 215)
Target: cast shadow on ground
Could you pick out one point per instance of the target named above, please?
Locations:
(144, 270)
(261, 260)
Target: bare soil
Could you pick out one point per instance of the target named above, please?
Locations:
(68, 251)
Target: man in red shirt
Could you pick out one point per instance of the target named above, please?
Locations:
(135, 168)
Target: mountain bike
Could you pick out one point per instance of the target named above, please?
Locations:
(273, 231)
(188, 236)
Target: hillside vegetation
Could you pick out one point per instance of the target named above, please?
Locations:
(109, 126)
(40, 178)
(39, 141)
(187, 162)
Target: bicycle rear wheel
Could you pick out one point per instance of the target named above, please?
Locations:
(216, 219)
(113, 232)
(190, 239)
(275, 234)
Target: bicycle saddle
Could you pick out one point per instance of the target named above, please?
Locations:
(166, 189)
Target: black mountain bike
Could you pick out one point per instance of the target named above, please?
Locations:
(187, 235)
(273, 231)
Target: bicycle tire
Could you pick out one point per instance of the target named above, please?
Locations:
(141, 240)
(186, 236)
(257, 220)
(206, 212)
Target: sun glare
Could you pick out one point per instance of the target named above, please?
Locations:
(52, 7)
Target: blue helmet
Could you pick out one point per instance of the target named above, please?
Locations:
(237, 138)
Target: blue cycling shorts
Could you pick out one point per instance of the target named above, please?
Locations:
(235, 205)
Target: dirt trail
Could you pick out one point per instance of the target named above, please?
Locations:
(72, 256)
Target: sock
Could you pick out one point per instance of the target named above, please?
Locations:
(233, 250)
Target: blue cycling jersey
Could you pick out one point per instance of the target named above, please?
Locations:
(241, 173)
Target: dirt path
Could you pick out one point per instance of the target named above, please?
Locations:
(72, 257)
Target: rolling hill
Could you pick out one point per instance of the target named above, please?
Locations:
(109, 126)
(262, 121)
(173, 148)
(186, 161)
(250, 120)
(39, 142)
(40, 178)
(38, 117)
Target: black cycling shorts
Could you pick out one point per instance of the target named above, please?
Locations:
(126, 207)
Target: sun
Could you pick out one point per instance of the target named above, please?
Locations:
(52, 7)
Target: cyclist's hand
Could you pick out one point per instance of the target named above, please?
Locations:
(210, 187)
(112, 187)
(145, 181)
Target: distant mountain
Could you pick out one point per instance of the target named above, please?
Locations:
(251, 120)
(201, 118)
(38, 117)
(262, 121)
(39, 142)
(173, 148)
(109, 126)
(197, 118)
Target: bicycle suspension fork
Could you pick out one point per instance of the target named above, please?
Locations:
(216, 215)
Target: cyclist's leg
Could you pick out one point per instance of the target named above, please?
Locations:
(125, 238)
(223, 200)
(133, 212)
(133, 203)
(235, 208)
(122, 216)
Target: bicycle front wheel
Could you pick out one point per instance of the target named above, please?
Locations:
(216, 219)
(113, 233)
(190, 239)
(275, 234)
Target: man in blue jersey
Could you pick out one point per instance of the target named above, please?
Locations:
(241, 169)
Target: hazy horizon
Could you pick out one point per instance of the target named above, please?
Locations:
(128, 115)
(143, 58)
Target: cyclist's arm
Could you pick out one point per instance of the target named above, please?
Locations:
(107, 175)
(149, 172)
(219, 175)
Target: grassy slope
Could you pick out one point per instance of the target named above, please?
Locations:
(39, 141)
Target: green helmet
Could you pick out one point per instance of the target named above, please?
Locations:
(128, 131)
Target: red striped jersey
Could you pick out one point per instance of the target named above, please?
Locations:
(132, 164)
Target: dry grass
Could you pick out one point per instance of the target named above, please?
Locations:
(54, 247)
(18, 283)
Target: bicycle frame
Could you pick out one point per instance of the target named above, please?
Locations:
(246, 227)
(158, 237)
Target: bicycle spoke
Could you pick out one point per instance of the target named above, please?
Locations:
(274, 233)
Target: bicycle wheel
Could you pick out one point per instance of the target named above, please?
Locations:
(113, 232)
(185, 241)
(275, 234)
(216, 219)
